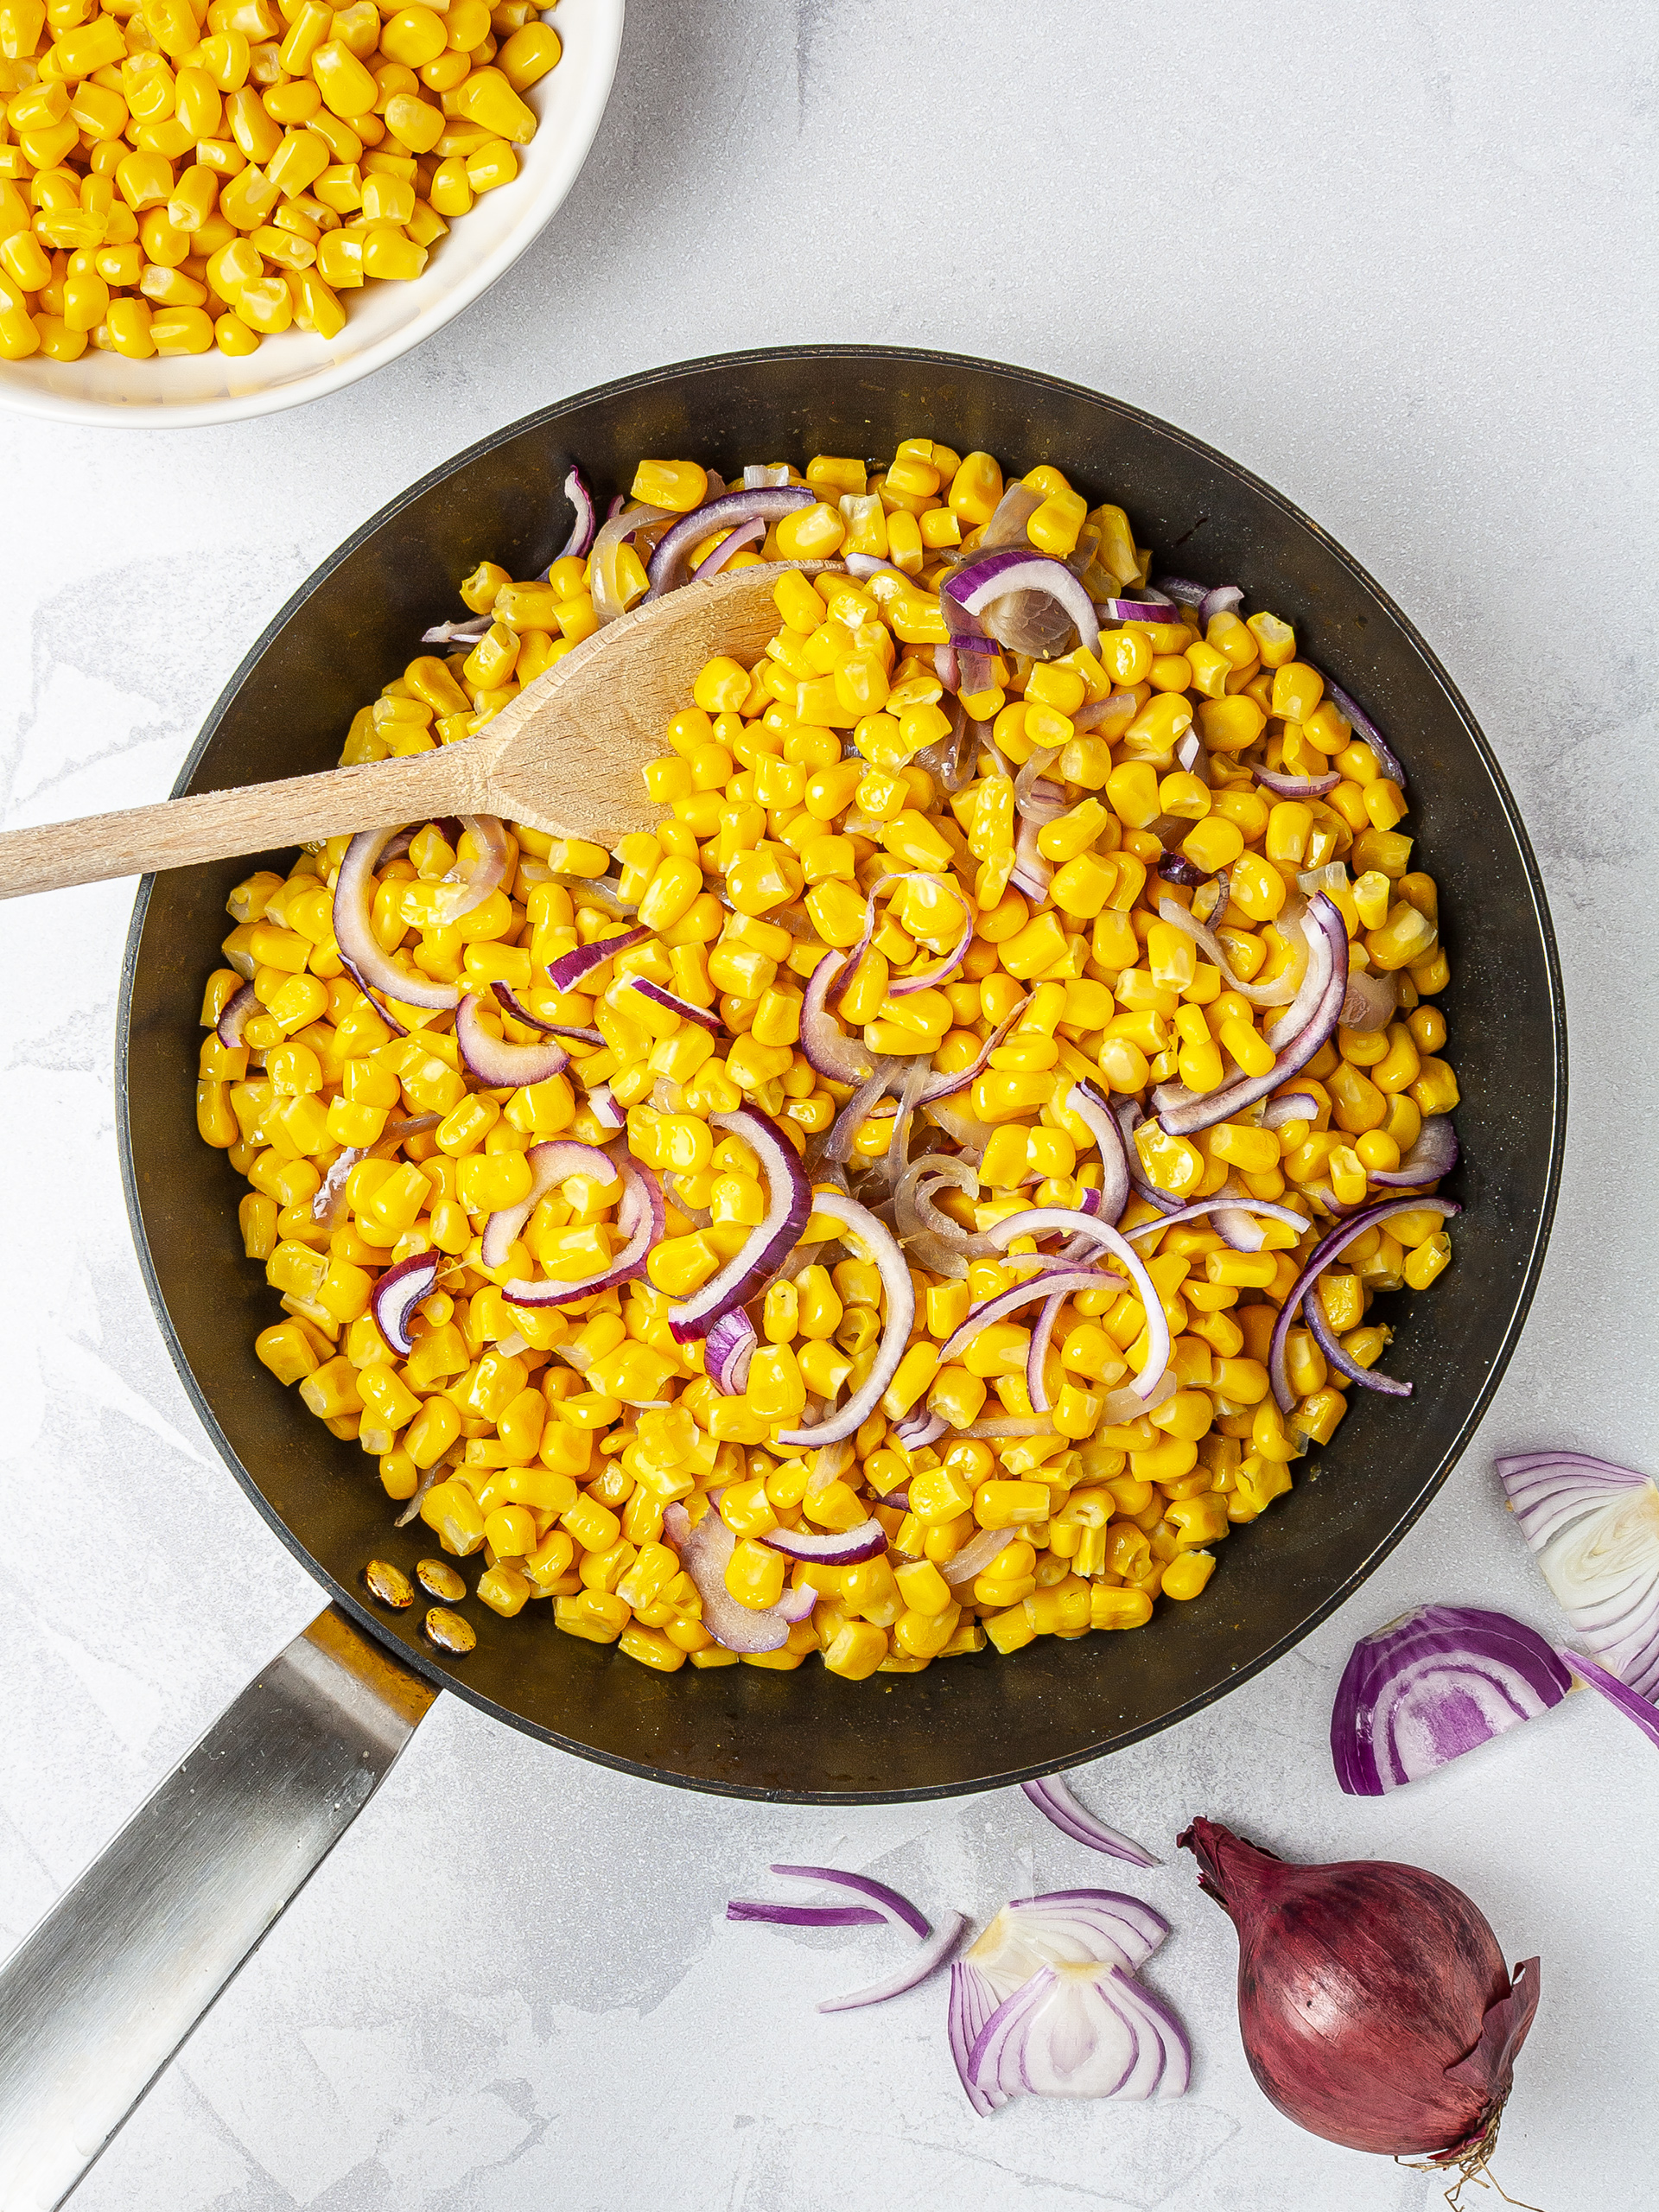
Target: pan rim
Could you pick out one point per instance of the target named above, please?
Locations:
(432, 1669)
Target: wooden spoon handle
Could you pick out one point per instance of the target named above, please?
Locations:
(258, 818)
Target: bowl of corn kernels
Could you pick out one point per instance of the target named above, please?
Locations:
(208, 213)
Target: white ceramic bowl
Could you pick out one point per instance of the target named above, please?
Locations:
(382, 320)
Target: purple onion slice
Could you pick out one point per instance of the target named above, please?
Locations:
(1090, 1106)
(833, 1547)
(1630, 1702)
(789, 1204)
(568, 970)
(1329, 1248)
(234, 1016)
(1434, 1154)
(703, 1552)
(826, 1046)
(985, 577)
(847, 1420)
(511, 1003)
(803, 1915)
(497, 1065)
(924, 1960)
(353, 927)
(892, 1904)
(1284, 786)
(1368, 1378)
(708, 568)
(639, 1218)
(1433, 1685)
(550, 1163)
(1351, 711)
(667, 565)
(699, 1017)
(728, 1348)
(1053, 1798)
(584, 522)
(398, 1292)
(1043, 1219)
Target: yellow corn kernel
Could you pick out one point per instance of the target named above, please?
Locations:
(856, 1651)
(1186, 1576)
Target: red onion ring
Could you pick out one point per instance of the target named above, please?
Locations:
(921, 1962)
(1330, 1247)
(727, 512)
(550, 1163)
(1296, 1106)
(639, 1218)
(568, 970)
(728, 1348)
(1062, 1284)
(584, 521)
(984, 577)
(788, 1204)
(838, 1145)
(513, 1005)
(733, 542)
(1037, 1353)
(397, 1295)
(943, 1085)
(353, 926)
(836, 1548)
(496, 1063)
(846, 1420)
(1043, 1219)
(1053, 1797)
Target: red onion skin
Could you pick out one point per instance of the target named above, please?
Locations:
(1373, 1999)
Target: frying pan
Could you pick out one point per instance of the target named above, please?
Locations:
(100, 1995)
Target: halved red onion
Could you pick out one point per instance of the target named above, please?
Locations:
(921, 1962)
(234, 1015)
(1631, 1702)
(1372, 1000)
(708, 568)
(789, 1204)
(1434, 1154)
(465, 893)
(1330, 1247)
(1053, 1797)
(830, 1547)
(568, 970)
(1043, 1219)
(497, 1065)
(700, 1017)
(728, 512)
(1221, 1201)
(890, 1905)
(1284, 786)
(1328, 973)
(1279, 992)
(985, 577)
(397, 1295)
(1089, 1103)
(826, 1046)
(353, 926)
(704, 1552)
(1594, 1529)
(583, 520)
(728, 1348)
(511, 1003)
(1081, 2031)
(326, 1199)
(1437, 1682)
(847, 1420)
(550, 1165)
(639, 1218)
(1352, 712)
(618, 528)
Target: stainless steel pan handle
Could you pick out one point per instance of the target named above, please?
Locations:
(97, 1999)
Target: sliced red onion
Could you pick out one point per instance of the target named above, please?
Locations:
(511, 1003)
(568, 970)
(1328, 966)
(847, 1420)
(1031, 872)
(353, 927)
(759, 474)
(1080, 2030)
(397, 1295)
(234, 1016)
(499, 1065)
(1279, 992)
(1037, 797)
(833, 1547)
(1089, 1102)
(1372, 1000)
(326, 1199)
(729, 512)
(918, 1428)
(703, 1552)
(799, 1916)
(1221, 599)
(733, 542)
(1296, 1106)
(794, 1604)
(946, 667)
(985, 577)
(1434, 1154)
(1043, 1219)
(1183, 589)
(583, 522)
(1283, 786)
(1053, 1799)
(1216, 912)
(943, 1086)
(550, 1163)
(826, 1046)
(601, 567)
(639, 1218)
(1352, 712)
(1594, 1529)
(902, 986)
(1126, 1112)
(1062, 1283)
(1222, 1202)
(465, 893)
(1112, 708)
(1433, 1685)
(1368, 1378)
(1630, 1702)
(608, 1110)
(890, 1905)
(700, 1017)
(921, 1962)
(1329, 1249)
(1175, 868)
(1150, 609)
(598, 891)
(977, 1554)
(728, 1348)
(458, 634)
(789, 1204)
(1037, 1359)
(866, 565)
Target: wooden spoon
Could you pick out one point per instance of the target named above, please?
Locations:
(564, 756)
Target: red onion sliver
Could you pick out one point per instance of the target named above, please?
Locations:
(1279, 992)
(497, 1065)
(826, 1046)
(892, 1904)
(833, 1547)
(1434, 1154)
(353, 927)
(727, 512)
(465, 896)
(1283, 786)
(397, 1295)
(789, 1206)
(733, 542)
(921, 1962)
(1329, 1249)
(568, 970)
(728, 1348)
(325, 1200)
(584, 521)
(983, 577)
(703, 1552)
(1630, 1702)
(550, 1165)
(1037, 1353)
(1090, 1105)
(846, 1420)
(1352, 712)
(700, 1017)
(1221, 1201)
(1368, 1378)
(606, 1109)
(639, 1218)
(803, 1915)
(234, 1015)
(1053, 1799)
(511, 1003)
(1043, 1219)
(1295, 1106)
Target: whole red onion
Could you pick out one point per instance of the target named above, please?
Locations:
(1372, 1999)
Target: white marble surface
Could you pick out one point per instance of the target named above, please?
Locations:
(1397, 262)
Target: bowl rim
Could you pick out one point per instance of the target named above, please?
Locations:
(430, 1669)
(569, 157)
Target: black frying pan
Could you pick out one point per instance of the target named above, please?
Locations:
(970, 1723)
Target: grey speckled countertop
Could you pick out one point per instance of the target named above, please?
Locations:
(1400, 263)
